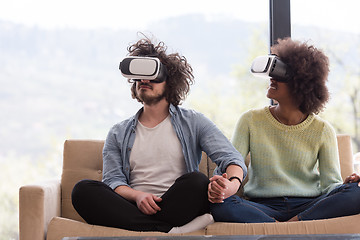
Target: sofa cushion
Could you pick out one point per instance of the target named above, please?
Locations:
(338, 225)
(62, 227)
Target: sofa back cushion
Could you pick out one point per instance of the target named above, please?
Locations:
(345, 155)
(83, 160)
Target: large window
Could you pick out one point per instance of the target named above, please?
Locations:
(333, 26)
(59, 73)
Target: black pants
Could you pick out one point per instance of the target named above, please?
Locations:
(98, 204)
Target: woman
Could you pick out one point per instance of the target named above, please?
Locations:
(294, 172)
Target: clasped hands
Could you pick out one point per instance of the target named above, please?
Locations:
(221, 188)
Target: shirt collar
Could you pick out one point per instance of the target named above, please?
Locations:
(172, 110)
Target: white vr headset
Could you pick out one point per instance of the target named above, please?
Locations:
(271, 66)
(143, 68)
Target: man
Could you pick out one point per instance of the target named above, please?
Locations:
(151, 179)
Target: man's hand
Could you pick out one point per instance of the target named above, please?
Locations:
(221, 188)
(146, 202)
(353, 178)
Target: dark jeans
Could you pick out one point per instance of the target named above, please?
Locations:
(99, 204)
(342, 201)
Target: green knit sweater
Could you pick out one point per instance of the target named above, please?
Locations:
(295, 161)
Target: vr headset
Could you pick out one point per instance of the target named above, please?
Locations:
(143, 68)
(271, 67)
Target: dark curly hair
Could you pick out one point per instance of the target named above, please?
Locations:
(179, 71)
(310, 69)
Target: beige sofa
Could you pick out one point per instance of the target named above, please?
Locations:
(46, 211)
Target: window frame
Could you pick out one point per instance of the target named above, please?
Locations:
(279, 22)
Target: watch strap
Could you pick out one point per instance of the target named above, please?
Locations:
(234, 177)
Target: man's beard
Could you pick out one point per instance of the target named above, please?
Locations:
(150, 100)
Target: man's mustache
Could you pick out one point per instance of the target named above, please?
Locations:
(144, 84)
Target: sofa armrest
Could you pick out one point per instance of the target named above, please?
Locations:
(38, 204)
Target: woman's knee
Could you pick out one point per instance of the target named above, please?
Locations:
(354, 191)
(352, 188)
(221, 211)
(355, 186)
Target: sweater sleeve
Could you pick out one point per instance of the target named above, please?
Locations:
(329, 164)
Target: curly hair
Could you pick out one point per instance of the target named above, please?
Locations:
(179, 71)
(310, 69)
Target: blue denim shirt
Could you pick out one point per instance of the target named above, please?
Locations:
(195, 132)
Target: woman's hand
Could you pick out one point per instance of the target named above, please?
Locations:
(221, 188)
(353, 178)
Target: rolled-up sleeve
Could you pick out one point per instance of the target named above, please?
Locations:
(218, 147)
